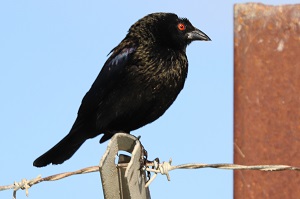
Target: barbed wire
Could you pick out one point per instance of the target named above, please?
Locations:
(165, 167)
(162, 168)
(25, 184)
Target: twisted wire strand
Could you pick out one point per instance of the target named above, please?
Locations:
(162, 168)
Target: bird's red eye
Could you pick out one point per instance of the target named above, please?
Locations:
(181, 26)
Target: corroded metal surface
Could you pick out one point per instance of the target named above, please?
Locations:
(267, 99)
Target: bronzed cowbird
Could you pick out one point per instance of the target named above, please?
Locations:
(137, 84)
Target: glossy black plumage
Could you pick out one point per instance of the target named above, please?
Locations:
(137, 84)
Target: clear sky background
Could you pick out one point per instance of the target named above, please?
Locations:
(50, 54)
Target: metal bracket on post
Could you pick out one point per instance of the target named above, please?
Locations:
(125, 180)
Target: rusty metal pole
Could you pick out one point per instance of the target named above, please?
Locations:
(267, 99)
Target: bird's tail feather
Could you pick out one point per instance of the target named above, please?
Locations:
(62, 151)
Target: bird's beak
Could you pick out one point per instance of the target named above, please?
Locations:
(197, 35)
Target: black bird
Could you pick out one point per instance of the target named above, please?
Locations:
(137, 84)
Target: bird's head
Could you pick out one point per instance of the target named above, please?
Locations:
(166, 30)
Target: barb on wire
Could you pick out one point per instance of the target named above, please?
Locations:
(165, 167)
(162, 168)
(26, 184)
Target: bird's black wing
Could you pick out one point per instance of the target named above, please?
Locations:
(112, 69)
(87, 122)
(85, 125)
(108, 77)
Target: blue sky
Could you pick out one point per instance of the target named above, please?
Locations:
(50, 54)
